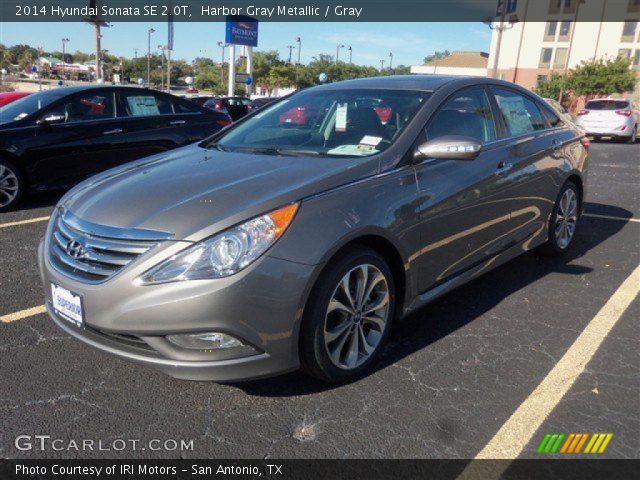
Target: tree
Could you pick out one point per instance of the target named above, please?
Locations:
(602, 77)
(437, 55)
(552, 86)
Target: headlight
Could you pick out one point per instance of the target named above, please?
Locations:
(225, 253)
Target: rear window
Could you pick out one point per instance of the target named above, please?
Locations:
(606, 105)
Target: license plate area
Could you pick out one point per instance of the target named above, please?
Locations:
(67, 304)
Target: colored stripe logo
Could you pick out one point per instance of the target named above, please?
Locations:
(573, 443)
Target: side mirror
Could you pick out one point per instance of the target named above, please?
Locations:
(51, 118)
(449, 148)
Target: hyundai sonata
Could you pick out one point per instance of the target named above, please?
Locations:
(274, 246)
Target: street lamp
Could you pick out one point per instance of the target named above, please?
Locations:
(64, 43)
(290, 47)
(350, 53)
(299, 42)
(390, 60)
(338, 47)
(222, 45)
(162, 49)
(381, 65)
(500, 28)
(150, 31)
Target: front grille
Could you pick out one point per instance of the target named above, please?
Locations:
(130, 340)
(88, 256)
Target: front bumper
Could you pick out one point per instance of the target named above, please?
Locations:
(261, 306)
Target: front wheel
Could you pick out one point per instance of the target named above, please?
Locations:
(563, 222)
(11, 185)
(348, 316)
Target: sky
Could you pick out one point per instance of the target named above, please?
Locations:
(371, 42)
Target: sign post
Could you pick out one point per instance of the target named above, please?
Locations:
(240, 30)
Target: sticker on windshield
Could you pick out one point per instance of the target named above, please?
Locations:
(341, 118)
(370, 140)
(360, 150)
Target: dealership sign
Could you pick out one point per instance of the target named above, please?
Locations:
(242, 30)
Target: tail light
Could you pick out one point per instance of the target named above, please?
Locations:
(583, 112)
(624, 113)
(586, 143)
(219, 104)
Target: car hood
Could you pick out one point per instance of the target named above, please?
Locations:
(193, 192)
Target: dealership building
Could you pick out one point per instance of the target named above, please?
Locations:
(532, 50)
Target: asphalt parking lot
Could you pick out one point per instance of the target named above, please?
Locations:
(454, 381)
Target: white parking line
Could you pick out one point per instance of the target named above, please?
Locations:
(29, 312)
(520, 428)
(23, 222)
(611, 217)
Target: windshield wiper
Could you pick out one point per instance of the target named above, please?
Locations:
(279, 151)
(217, 146)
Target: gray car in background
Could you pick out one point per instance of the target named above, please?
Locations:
(281, 244)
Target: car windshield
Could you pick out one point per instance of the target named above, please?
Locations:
(350, 123)
(28, 105)
(606, 105)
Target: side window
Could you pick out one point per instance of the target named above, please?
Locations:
(520, 114)
(468, 114)
(145, 104)
(552, 119)
(84, 108)
(184, 107)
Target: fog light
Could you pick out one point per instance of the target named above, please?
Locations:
(205, 341)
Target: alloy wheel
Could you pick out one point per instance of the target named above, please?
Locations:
(9, 186)
(566, 218)
(356, 316)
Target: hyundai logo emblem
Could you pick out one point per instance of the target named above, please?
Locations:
(75, 249)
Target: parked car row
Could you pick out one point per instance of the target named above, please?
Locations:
(296, 237)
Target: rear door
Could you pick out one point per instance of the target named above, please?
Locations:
(464, 205)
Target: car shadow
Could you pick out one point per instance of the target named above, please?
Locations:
(40, 200)
(463, 305)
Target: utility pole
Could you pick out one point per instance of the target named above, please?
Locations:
(231, 81)
(222, 45)
(64, 43)
(161, 48)
(338, 47)
(299, 42)
(350, 53)
(149, 32)
(390, 60)
(500, 28)
(566, 61)
(290, 47)
(381, 65)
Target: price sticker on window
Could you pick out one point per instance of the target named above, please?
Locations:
(341, 118)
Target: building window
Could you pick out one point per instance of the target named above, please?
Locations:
(633, 6)
(542, 78)
(565, 31)
(636, 60)
(629, 30)
(545, 57)
(561, 58)
(563, 6)
(555, 6)
(550, 32)
(624, 53)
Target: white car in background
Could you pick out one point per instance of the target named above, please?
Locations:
(609, 117)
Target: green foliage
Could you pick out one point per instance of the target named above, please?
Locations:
(551, 87)
(437, 55)
(603, 77)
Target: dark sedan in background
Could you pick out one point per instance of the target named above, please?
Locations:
(55, 138)
(235, 107)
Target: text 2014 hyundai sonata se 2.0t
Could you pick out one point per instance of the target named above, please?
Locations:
(279, 245)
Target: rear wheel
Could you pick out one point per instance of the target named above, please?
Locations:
(564, 219)
(634, 134)
(348, 317)
(11, 185)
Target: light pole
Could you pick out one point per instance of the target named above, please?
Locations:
(299, 42)
(566, 61)
(381, 65)
(500, 28)
(390, 60)
(64, 43)
(150, 31)
(161, 48)
(338, 47)
(290, 47)
(350, 53)
(222, 45)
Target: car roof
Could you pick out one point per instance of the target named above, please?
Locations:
(417, 82)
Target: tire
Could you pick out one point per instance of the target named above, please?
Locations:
(330, 330)
(559, 239)
(12, 185)
(634, 134)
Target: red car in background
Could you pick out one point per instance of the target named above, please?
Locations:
(8, 97)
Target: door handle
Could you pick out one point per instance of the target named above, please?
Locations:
(556, 144)
(503, 167)
(112, 132)
(178, 122)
